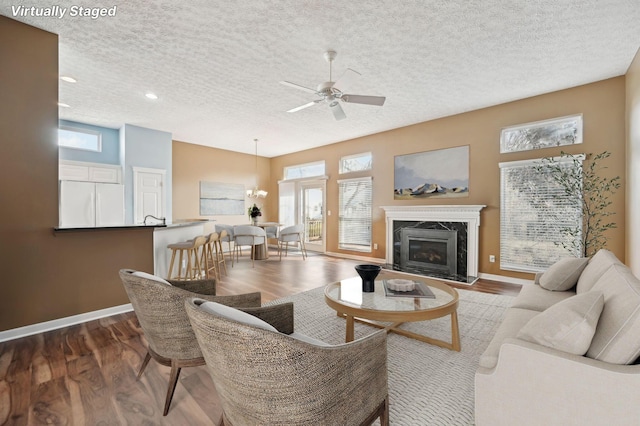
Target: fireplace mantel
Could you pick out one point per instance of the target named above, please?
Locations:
(438, 213)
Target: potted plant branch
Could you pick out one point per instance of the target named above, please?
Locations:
(584, 184)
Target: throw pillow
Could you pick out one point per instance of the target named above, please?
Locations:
(150, 277)
(567, 326)
(563, 275)
(236, 315)
(617, 338)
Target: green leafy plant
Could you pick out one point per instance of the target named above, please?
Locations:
(584, 184)
(254, 211)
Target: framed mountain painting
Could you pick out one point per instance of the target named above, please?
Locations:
(443, 173)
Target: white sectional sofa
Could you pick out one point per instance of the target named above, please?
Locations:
(566, 356)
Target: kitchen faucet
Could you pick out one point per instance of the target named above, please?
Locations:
(164, 220)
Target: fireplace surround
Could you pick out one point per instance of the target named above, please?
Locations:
(461, 222)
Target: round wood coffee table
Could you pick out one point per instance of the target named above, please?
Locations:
(348, 300)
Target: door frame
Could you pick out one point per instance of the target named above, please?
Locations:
(297, 205)
(136, 172)
(311, 184)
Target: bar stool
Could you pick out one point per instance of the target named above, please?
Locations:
(220, 252)
(191, 250)
(210, 255)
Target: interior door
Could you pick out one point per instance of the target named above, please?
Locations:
(149, 196)
(312, 209)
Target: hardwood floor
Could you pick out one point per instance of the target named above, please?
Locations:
(86, 374)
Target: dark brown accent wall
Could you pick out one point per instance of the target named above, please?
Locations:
(47, 276)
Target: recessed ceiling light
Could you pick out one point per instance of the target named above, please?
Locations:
(63, 105)
(151, 95)
(68, 79)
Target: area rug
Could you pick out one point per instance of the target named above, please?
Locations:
(428, 385)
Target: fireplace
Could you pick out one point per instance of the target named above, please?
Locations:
(447, 250)
(429, 250)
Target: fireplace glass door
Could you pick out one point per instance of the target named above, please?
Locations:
(429, 250)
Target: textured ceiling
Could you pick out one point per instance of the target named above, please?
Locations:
(216, 65)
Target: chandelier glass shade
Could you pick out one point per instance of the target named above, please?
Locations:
(256, 192)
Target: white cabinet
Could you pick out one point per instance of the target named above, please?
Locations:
(88, 204)
(104, 174)
(89, 172)
(73, 172)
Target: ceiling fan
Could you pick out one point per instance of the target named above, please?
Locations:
(332, 92)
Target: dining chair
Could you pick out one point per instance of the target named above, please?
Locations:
(292, 234)
(266, 373)
(248, 235)
(272, 232)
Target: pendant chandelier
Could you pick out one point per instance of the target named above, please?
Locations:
(255, 192)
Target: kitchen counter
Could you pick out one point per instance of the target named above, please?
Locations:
(106, 228)
(163, 235)
(175, 224)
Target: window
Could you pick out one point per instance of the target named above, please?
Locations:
(71, 137)
(355, 163)
(354, 211)
(304, 170)
(533, 212)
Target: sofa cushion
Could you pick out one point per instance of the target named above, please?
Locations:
(236, 315)
(536, 298)
(513, 321)
(597, 266)
(563, 275)
(567, 326)
(617, 338)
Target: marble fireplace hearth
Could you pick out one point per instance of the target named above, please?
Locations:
(460, 222)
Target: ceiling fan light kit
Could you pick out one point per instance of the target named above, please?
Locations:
(332, 92)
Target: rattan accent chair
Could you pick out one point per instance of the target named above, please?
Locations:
(268, 377)
(159, 306)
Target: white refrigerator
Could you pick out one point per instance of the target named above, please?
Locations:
(89, 204)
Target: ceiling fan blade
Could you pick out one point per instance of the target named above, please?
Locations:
(312, 103)
(367, 100)
(297, 86)
(337, 111)
(346, 80)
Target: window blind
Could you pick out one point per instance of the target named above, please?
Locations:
(354, 221)
(533, 211)
(287, 203)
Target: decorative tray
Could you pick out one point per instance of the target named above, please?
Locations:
(406, 288)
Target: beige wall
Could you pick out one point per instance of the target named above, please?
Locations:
(602, 105)
(47, 276)
(195, 163)
(633, 165)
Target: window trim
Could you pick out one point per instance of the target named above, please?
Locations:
(311, 163)
(348, 157)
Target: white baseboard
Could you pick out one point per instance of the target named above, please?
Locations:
(28, 330)
(502, 278)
